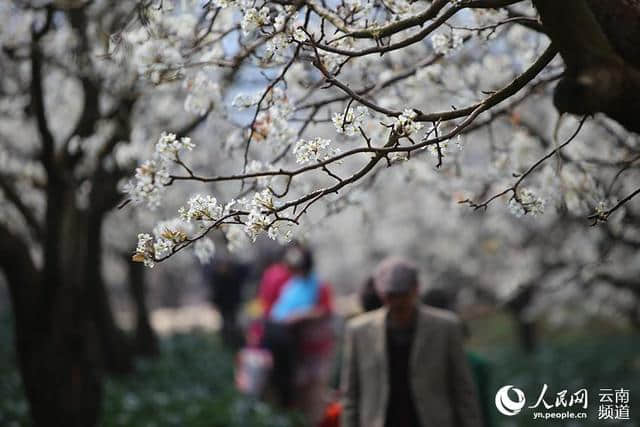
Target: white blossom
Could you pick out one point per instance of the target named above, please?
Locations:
(349, 123)
(148, 184)
(314, 150)
(254, 19)
(404, 124)
(256, 224)
(299, 35)
(175, 229)
(162, 247)
(263, 200)
(279, 22)
(144, 250)
(516, 208)
(201, 208)
(526, 202)
(169, 146)
(281, 232)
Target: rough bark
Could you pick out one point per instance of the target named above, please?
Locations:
(599, 41)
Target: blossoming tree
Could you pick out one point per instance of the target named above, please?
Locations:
(395, 80)
(67, 114)
(312, 107)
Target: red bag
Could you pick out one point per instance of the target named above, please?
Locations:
(332, 415)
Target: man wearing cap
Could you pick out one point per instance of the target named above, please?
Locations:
(404, 365)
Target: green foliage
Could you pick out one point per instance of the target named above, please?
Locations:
(591, 362)
(189, 385)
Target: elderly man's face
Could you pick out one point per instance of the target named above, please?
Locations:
(400, 303)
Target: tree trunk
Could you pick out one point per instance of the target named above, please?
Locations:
(146, 341)
(526, 329)
(116, 348)
(599, 42)
(57, 357)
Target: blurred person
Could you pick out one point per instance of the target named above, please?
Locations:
(480, 366)
(369, 298)
(226, 278)
(299, 334)
(273, 279)
(403, 364)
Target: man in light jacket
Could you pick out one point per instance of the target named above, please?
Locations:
(404, 365)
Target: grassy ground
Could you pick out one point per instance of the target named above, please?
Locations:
(594, 357)
(190, 384)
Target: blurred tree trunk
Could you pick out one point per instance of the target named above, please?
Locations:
(64, 327)
(525, 328)
(145, 341)
(57, 349)
(117, 350)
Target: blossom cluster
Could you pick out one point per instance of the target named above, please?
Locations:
(404, 124)
(202, 208)
(168, 146)
(148, 184)
(526, 202)
(254, 19)
(153, 175)
(144, 250)
(258, 220)
(167, 238)
(169, 235)
(314, 150)
(348, 123)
